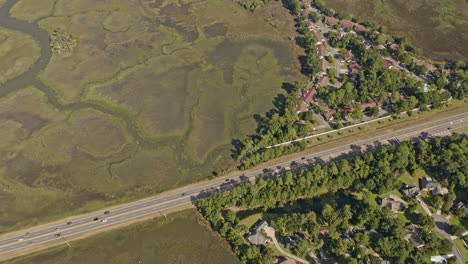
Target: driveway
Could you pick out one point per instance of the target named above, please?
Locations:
(271, 233)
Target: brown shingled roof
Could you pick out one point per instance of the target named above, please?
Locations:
(331, 20)
(308, 95)
(354, 69)
(349, 56)
(346, 24)
(324, 65)
(323, 81)
(321, 50)
(360, 28)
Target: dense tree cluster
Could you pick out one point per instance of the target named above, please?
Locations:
(377, 172)
(252, 5)
(277, 126)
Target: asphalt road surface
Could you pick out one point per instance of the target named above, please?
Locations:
(66, 231)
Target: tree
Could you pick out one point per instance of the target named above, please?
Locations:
(457, 230)
(374, 111)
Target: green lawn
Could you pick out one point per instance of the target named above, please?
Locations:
(251, 220)
(461, 247)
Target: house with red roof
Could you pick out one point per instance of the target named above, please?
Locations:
(328, 115)
(349, 56)
(317, 36)
(306, 12)
(307, 2)
(302, 107)
(324, 65)
(387, 64)
(321, 50)
(331, 20)
(421, 63)
(308, 95)
(346, 24)
(368, 105)
(360, 28)
(310, 24)
(323, 81)
(354, 69)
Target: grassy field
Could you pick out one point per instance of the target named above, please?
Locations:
(439, 27)
(189, 75)
(179, 239)
(461, 247)
(17, 52)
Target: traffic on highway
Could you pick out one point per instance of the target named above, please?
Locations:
(104, 219)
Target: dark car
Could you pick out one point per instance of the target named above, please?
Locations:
(69, 223)
(57, 235)
(106, 212)
(95, 219)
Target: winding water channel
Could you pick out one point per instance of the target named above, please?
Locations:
(30, 77)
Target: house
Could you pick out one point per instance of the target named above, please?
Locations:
(349, 56)
(307, 2)
(393, 46)
(387, 64)
(324, 66)
(302, 107)
(305, 12)
(301, 122)
(354, 69)
(421, 63)
(256, 236)
(360, 28)
(323, 81)
(413, 235)
(286, 261)
(328, 115)
(310, 24)
(393, 205)
(317, 36)
(321, 50)
(429, 184)
(331, 20)
(349, 109)
(308, 95)
(462, 205)
(293, 241)
(410, 190)
(368, 105)
(346, 24)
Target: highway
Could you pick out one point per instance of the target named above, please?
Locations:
(68, 230)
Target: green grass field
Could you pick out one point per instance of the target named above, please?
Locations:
(179, 239)
(178, 80)
(439, 27)
(461, 247)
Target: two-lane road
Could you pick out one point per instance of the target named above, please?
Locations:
(69, 229)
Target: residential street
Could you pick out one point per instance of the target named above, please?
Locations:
(442, 226)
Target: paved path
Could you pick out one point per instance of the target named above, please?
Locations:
(271, 233)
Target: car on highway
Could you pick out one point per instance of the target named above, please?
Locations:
(183, 194)
(57, 235)
(58, 228)
(69, 223)
(96, 218)
(107, 212)
(21, 239)
(103, 220)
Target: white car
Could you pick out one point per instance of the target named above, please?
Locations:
(21, 239)
(103, 220)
